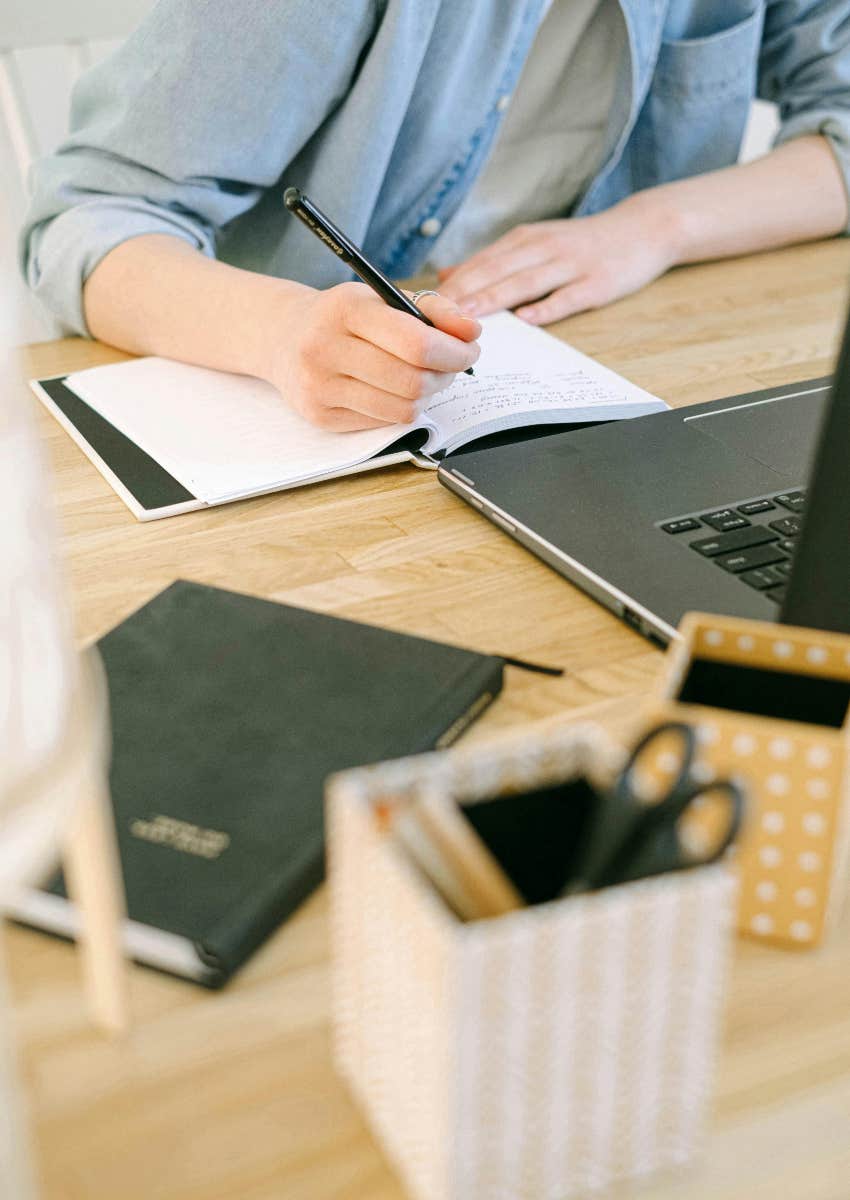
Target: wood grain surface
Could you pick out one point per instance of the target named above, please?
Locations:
(232, 1096)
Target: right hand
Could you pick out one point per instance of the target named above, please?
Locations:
(346, 360)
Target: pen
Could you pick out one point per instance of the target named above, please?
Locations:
(344, 248)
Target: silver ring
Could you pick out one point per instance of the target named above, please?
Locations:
(423, 292)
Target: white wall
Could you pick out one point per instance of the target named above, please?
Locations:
(47, 78)
(762, 127)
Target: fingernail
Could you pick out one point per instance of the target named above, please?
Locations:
(468, 306)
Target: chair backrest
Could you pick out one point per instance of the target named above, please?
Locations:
(34, 97)
(44, 46)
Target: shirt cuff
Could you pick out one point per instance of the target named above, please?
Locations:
(61, 253)
(830, 125)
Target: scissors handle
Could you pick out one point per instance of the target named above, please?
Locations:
(658, 844)
(646, 752)
(621, 811)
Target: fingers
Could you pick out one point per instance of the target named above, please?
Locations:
(357, 363)
(509, 255)
(446, 316)
(343, 420)
(524, 286)
(509, 243)
(354, 404)
(450, 347)
(374, 366)
(580, 296)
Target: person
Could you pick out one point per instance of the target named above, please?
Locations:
(547, 157)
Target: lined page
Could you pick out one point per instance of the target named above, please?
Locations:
(525, 377)
(221, 435)
(224, 436)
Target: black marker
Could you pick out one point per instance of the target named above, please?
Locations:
(352, 255)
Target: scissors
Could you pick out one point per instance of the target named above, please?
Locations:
(631, 835)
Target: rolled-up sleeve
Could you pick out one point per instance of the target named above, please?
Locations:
(183, 129)
(804, 68)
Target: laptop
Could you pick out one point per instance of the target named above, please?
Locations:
(739, 506)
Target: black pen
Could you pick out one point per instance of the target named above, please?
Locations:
(352, 255)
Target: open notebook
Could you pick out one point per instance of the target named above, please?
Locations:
(171, 438)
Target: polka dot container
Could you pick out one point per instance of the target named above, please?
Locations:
(792, 854)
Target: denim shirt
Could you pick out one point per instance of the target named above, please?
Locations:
(384, 111)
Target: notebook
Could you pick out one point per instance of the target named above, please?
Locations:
(228, 712)
(171, 438)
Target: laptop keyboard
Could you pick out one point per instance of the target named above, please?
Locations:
(753, 540)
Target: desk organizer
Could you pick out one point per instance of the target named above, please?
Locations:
(791, 753)
(539, 1055)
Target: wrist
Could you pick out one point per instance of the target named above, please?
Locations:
(661, 223)
(276, 307)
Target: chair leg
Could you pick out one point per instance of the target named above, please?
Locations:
(93, 875)
(16, 1174)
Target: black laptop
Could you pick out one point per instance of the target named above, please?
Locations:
(739, 506)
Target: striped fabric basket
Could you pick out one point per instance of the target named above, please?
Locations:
(536, 1056)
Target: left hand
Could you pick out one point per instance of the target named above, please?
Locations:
(552, 269)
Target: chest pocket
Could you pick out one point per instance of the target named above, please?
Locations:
(711, 56)
(691, 19)
(695, 113)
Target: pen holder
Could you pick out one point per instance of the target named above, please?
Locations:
(770, 705)
(538, 1055)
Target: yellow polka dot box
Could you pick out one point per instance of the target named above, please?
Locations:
(770, 705)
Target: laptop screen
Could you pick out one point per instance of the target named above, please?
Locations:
(818, 595)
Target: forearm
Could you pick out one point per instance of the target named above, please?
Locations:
(158, 295)
(794, 194)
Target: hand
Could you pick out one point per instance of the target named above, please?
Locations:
(346, 360)
(552, 269)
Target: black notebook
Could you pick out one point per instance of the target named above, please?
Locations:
(228, 713)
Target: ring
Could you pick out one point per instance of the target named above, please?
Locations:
(423, 292)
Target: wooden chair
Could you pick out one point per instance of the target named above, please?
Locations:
(80, 27)
(54, 738)
(44, 46)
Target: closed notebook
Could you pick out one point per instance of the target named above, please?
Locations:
(228, 712)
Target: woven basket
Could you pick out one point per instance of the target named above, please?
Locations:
(534, 1056)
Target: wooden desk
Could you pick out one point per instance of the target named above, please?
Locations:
(232, 1096)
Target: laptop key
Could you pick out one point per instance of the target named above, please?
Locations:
(787, 526)
(794, 501)
(724, 519)
(763, 577)
(783, 568)
(682, 525)
(787, 544)
(776, 594)
(755, 506)
(735, 539)
(748, 559)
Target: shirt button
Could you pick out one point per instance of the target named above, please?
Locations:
(503, 102)
(431, 227)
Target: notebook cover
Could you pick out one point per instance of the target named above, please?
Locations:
(147, 487)
(148, 490)
(228, 713)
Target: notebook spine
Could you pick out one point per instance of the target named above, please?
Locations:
(473, 692)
